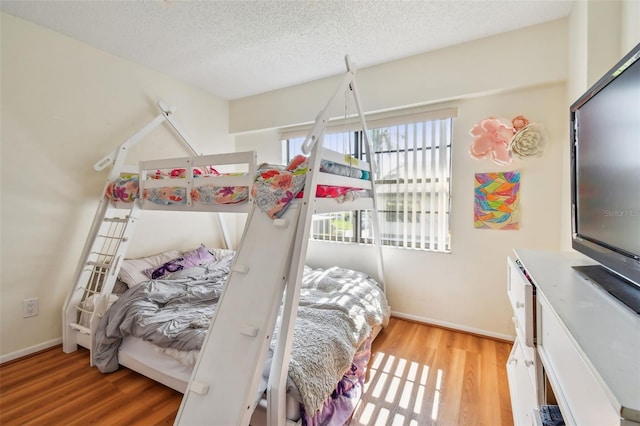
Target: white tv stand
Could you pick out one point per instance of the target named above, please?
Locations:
(576, 347)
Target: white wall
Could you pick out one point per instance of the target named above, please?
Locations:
(629, 25)
(527, 57)
(467, 288)
(64, 106)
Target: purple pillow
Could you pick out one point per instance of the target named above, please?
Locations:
(189, 259)
(197, 257)
(163, 270)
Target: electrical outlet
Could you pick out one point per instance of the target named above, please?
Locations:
(30, 307)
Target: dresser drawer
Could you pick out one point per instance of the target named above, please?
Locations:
(521, 386)
(581, 397)
(520, 292)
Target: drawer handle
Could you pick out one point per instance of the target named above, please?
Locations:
(513, 361)
(519, 305)
(528, 362)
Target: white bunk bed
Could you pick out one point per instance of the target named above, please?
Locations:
(223, 386)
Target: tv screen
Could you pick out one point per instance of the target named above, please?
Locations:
(605, 137)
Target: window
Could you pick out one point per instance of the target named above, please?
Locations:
(412, 179)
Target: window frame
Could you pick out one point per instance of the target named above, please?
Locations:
(381, 121)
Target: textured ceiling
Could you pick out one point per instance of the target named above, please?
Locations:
(235, 49)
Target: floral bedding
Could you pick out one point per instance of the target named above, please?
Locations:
(340, 193)
(206, 194)
(276, 186)
(126, 189)
(273, 190)
(210, 194)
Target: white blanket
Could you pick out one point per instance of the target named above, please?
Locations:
(337, 310)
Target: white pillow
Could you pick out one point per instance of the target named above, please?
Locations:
(131, 272)
(221, 253)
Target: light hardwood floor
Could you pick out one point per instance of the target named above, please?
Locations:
(419, 375)
(422, 375)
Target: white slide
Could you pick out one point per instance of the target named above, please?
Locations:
(224, 384)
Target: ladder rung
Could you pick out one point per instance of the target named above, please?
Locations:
(88, 290)
(103, 254)
(113, 237)
(96, 270)
(80, 328)
(116, 219)
(100, 264)
(81, 309)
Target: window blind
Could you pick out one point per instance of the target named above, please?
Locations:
(412, 149)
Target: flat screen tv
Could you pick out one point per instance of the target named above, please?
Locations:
(605, 179)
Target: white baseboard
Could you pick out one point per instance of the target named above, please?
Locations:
(453, 326)
(30, 350)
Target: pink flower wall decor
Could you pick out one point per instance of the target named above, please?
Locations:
(499, 139)
(491, 138)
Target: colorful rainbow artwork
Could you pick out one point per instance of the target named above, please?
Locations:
(497, 200)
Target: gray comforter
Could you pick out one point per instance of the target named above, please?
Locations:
(337, 310)
(172, 313)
